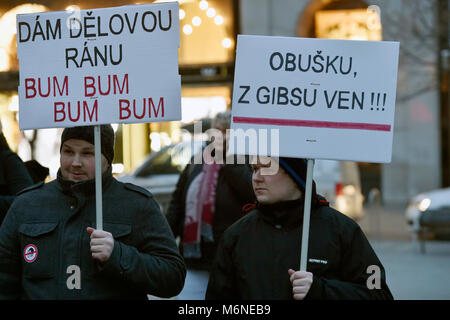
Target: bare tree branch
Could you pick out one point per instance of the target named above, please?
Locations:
(416, 25)
(417, 92)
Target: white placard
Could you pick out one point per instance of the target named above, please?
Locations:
(330, 99)
(88, 67)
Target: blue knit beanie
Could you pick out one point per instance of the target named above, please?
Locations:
(296, 169)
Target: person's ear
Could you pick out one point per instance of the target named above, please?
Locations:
(105, 164)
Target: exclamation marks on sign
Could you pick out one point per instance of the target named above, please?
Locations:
(375, 101)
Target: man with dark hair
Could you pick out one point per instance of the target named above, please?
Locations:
(259, 256)
(49, 248)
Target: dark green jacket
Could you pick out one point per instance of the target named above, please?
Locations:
(257, 251)
(54, 216)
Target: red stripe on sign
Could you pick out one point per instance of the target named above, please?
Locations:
(314, 124)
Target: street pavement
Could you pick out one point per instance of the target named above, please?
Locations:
(410, 274)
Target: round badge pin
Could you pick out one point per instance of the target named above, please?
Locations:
(30, 253)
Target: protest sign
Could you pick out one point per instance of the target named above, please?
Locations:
(330, 99)
(89, 67)
(101, 66)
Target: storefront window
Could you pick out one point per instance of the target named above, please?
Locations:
(206, 32)
(8, 47)
(9, 66)
(354, 24)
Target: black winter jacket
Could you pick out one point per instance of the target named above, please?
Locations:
(256, 253)
(54, 216)
(234, 190)
(14, 177)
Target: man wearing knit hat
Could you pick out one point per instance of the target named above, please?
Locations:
(50, 250)
(82, 139)
(258, 256)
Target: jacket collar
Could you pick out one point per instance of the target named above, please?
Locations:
(86, 187)
(285, 214)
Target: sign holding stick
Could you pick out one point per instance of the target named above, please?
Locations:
(98, 178)
(100, 66)
(329, 99)
(306, 215)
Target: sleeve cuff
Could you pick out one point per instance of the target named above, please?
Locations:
(113, 264)
(315, 290)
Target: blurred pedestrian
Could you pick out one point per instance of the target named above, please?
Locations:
(49, 248)
(259, 256)
(208, 198)
(14, 176)
(37, 171)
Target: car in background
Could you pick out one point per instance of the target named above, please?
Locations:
(338, 181)
(160, 171)
(428, 215)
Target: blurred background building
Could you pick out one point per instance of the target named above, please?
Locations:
(208, 30)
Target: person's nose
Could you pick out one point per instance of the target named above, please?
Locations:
(76, 162)
(257, 177)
